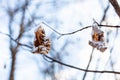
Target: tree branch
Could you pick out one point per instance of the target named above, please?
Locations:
(54, 60)
(84, 76)
(116, 6)
(21, 44)
(104, 13)
(95, 71)
(63, 34)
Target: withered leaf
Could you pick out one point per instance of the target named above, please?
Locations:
(42, 44)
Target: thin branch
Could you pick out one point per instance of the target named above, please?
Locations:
(110, 59)
(54, 60)
(16, 41)
(116, 6)
(76, 31)
(47, 59)
(111, 26)
(111, 50)
(63, 34)
(70, 33)
(52, 28)
(104, 13)
(97, 66)
(88, 64)
(95, 71)
(31, 17)
(112, 66)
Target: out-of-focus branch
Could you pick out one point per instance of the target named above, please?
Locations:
(116, 6)
(105, 10)
(11, 49)
(111, 52)
(104, 13)
(11, 13)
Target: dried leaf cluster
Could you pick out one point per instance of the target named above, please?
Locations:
(97, 39)
(41, 43)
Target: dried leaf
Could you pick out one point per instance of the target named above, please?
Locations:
(39, 35)
(97, 39)
(41, 44)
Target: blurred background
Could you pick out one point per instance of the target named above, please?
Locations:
(19, 20)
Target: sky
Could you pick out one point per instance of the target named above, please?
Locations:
(71, 15)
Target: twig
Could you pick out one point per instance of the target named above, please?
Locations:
(95, 71)
(97, 66)
(111, 50)
(111, 26)
(54, 60)
(88, 64)
(105, 12)
(63, 34)
(52, 28)
(103, 18)
(47, 59)
(110, 59)
(17, 41)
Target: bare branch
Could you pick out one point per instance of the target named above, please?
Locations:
(104, 13)
(52, 28)
(16, 41)
(116, 6)
(111, 26)
(88, 64)
(95, 71)
(54, 60)
(63, 34)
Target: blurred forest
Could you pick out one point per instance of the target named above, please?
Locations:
(67, 23)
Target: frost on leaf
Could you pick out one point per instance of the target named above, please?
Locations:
(97, 39)
(41, 43)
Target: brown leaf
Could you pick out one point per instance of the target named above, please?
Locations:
(97, 39)
(42, 44)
